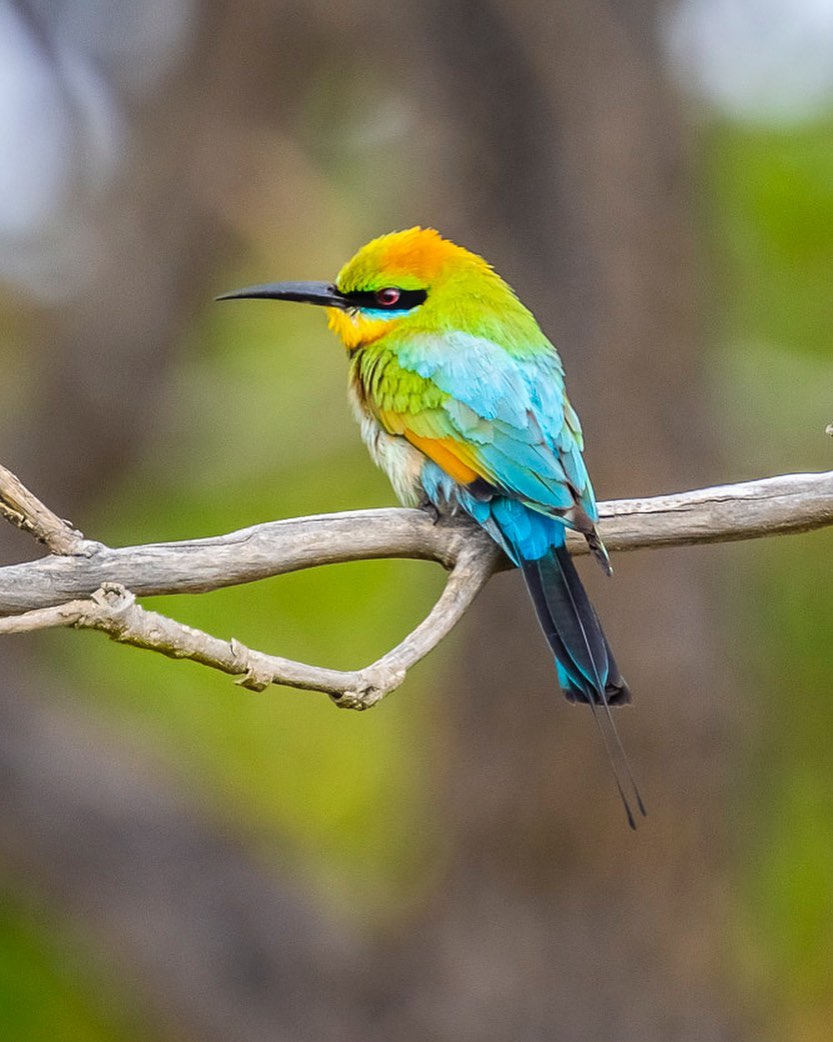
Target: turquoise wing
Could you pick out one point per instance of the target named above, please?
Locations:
(510, 416)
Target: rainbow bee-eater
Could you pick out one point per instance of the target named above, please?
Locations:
(461, 401)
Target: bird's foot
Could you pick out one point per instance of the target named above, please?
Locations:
(432, 510)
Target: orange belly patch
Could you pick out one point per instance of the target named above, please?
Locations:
(445, 452)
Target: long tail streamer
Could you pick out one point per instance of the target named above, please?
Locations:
(587, 669)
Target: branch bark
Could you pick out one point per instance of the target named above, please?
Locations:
(748, 510)
(25, 511)
(87, 585)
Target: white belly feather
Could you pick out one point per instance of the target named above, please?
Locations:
(394, 455)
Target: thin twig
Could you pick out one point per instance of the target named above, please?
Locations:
(25, 511)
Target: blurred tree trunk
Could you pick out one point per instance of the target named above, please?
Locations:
(573, 171)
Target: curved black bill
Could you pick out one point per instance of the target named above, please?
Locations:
(322, 293)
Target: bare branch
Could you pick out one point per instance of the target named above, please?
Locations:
(771, 506)
(25, 511)
(113, 610)
(751, 510)
(273, 548)
(789, 503)
(98, 591)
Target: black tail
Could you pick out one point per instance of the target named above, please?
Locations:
(586, 668)
(588, 672)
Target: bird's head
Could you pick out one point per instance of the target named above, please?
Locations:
(415, 277)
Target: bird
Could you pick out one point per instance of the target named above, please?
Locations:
(461, 401)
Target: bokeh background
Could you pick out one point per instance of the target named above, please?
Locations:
(183, 860)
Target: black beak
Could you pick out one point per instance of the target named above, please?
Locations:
(322, 293)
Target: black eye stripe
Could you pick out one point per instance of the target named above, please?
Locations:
(408, 298)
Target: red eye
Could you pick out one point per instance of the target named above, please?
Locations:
(388, 296)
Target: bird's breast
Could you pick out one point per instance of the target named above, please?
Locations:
(393, 454)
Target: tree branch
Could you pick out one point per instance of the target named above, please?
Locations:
(113, 610)
(95, 587)
(25, 511)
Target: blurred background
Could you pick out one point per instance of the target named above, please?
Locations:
(183, 860)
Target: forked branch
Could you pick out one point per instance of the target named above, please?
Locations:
(87, 585)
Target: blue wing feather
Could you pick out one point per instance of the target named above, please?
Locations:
(512, 411)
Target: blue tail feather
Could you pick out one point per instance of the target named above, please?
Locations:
(535, 541)
(587, 670)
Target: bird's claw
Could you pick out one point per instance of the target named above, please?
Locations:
(432, 510)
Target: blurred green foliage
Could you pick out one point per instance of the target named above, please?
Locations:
(46, 992)
(773, 233)
(775, 197)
